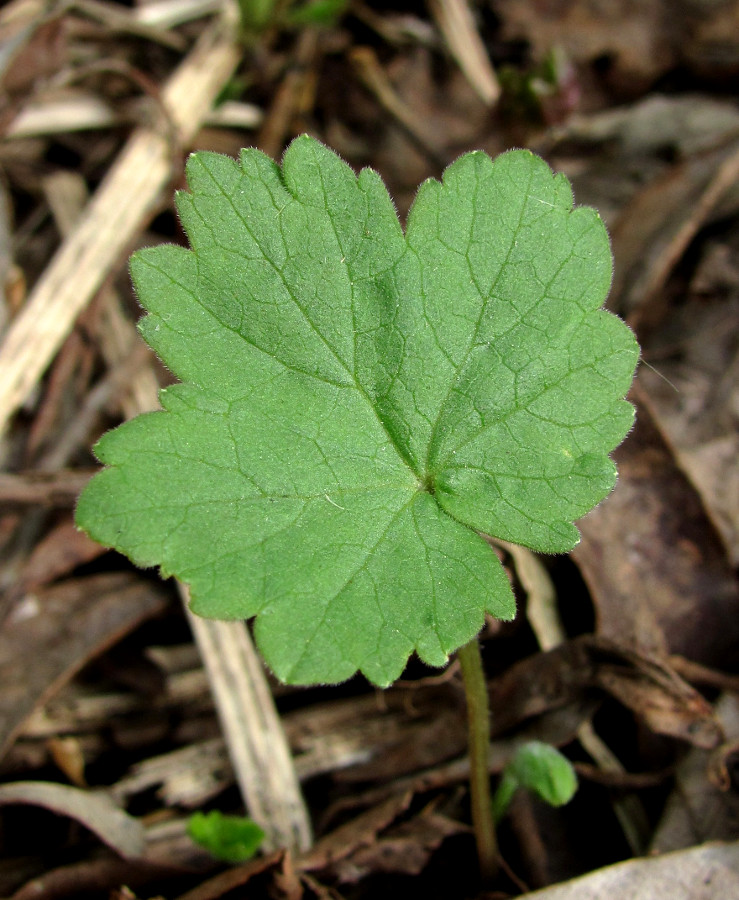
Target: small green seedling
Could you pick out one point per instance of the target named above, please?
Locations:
(540, 769)
(360, 406)
(316, 12)
(232, 839)
(257, 15)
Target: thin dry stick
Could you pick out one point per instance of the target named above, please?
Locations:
(60, 488)
(369, 71)
(277, 123)
(124, 201)
(66, 194)
(132, 190)
(252, 728)
(456, 23)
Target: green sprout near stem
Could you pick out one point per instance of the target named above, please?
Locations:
(540, 769)
(232, 839)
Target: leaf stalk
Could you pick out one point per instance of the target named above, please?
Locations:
(478, 728)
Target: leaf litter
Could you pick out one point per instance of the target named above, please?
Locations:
(656, 560)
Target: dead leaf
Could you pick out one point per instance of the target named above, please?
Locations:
(355, 834)
(430, 729)
(693, 397)
(35, 48)
(656, 570)
(657, 225)
(52, 634)
(60, 552)
(645, 684)
(91, 877)
(668, 705)
(708, 872)
(696, 674)
(724, 762)
(699, 809)
(234, 878)
(69, 757)
(711, 47)
(675, 125)
(633, 36)
(404, 849)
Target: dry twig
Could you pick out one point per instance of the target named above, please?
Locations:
(108, 225)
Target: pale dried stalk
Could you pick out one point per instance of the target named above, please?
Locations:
(66, 194)
(251, 726)
(456, 23)
(79, 111)
(124, 201)
(369, 71)
(169, 13)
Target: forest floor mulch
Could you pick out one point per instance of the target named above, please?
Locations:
(115, 722)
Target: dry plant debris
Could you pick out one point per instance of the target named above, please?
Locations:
(625, 655)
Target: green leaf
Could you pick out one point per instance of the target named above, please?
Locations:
(256, 15)
(358, 405)
(317, 12)
(541, 769)
(233, 839)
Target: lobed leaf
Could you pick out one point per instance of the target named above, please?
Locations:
(359, 405)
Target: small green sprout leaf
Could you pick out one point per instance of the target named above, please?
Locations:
(359, 405)
(233, 839)
(256, 15)
(317, 12)
(540, 769)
